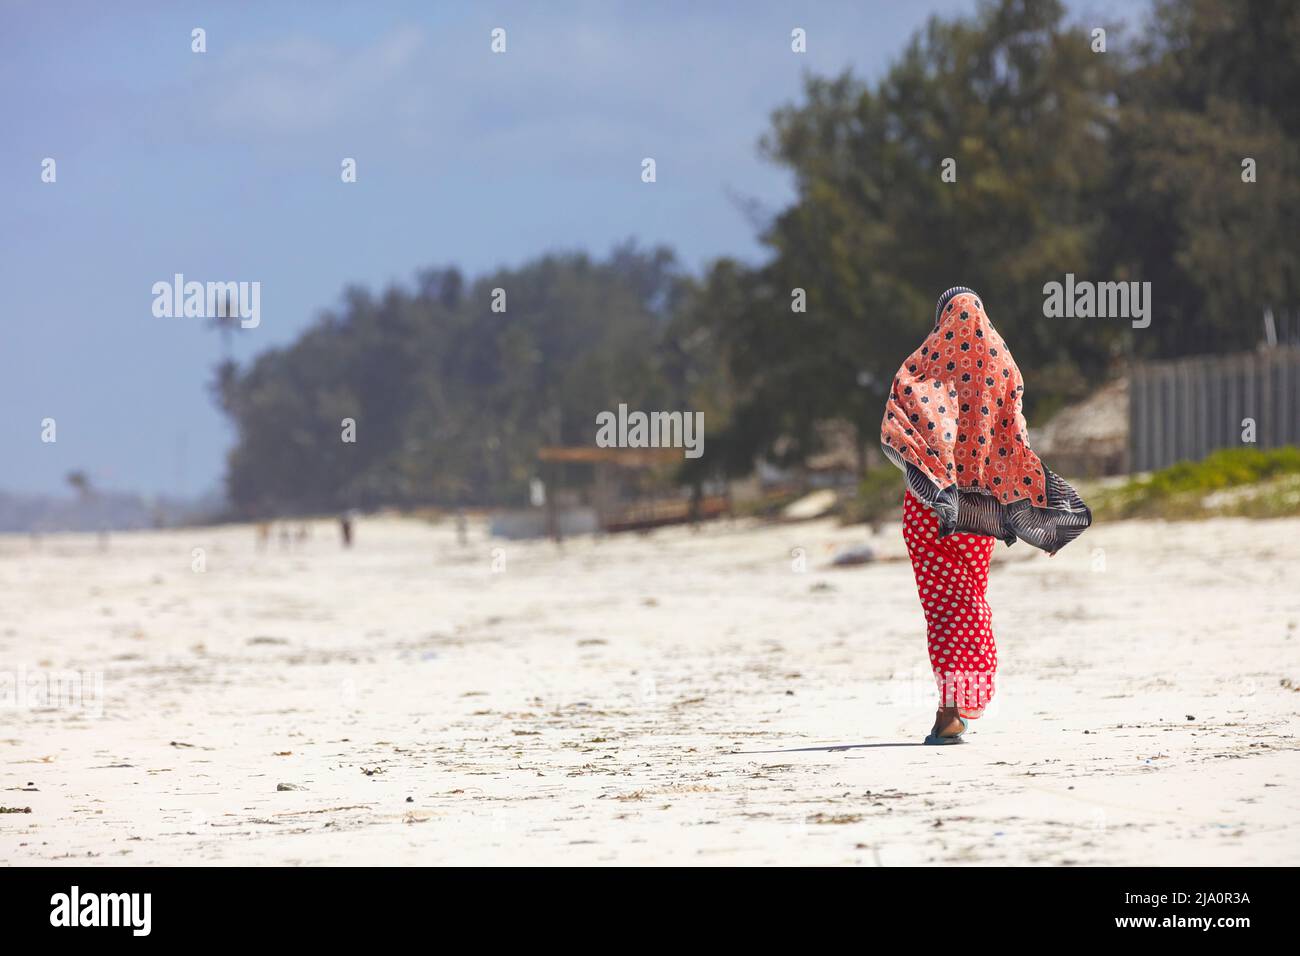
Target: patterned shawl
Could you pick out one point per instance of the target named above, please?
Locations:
(953, 424)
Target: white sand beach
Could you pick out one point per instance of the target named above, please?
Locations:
(676, 698)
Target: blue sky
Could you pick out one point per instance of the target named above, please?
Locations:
(225, 166)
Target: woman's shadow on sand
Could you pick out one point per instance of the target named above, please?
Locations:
(829, 748)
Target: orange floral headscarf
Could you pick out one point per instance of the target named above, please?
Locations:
(954, 410)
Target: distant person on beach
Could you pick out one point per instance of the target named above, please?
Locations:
(953, 424)
(345, 528)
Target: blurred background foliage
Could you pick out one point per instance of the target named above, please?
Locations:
(1122, 166)
(1239, 482)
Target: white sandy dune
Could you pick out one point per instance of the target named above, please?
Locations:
(684, 698)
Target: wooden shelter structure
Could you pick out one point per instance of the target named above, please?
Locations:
(610, 515)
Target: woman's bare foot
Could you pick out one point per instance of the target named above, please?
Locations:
(947, 722)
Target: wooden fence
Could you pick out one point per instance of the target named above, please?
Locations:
(1186, 408)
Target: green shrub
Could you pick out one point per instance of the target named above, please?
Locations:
(879, 497)
(1180, 490)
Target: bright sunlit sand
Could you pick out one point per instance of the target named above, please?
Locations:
(681, 697)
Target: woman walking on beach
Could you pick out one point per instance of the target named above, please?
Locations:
(953, 424)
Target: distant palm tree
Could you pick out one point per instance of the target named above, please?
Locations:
(226, 321)
(80, 483)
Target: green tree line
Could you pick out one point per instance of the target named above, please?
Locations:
(1122, 165)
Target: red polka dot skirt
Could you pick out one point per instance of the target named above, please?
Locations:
(952, 576)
